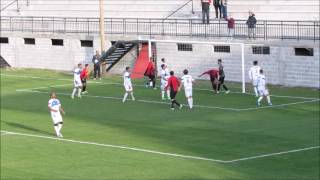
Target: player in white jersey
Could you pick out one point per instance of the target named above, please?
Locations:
(187, 82)
(164, 75)
(127, 85)
(77, 81)
(262, 89)
(55, 108)
(253, 75)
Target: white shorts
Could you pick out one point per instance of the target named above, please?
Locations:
(128, 87)
(163, 85)
(77, 83)
(188, 92)
(263, 92)
(255, 82)
(56, 118)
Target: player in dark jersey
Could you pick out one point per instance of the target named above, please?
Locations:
(221, 77)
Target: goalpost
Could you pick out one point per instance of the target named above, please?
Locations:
(178, 51)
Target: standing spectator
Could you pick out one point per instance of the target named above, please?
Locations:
(251, 23)
(231, 23)
(214, 78)
(174, 86)
(217, 7)
(96, 60)
(205, 11)
(224, 8)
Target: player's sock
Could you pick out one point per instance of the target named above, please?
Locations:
(191, 103)
(168, 94)
(162, 94)
(84, 88)
(172, 104)
(56, 129)
(219, 85)
(256, 91)
(73, 92)
(132, 97)
(225, 87)
(125, 97)
(269, 100)
(260, 99)
(79, 92)
(60, 126)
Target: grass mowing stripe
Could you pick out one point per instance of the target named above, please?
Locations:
(117, 146)
(120, 98)
(200, 89)
(160, 102)
(162, 153)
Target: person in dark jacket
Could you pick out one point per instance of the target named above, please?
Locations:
(96, 60)
(251, 23)
(217, 7)
(205, 11)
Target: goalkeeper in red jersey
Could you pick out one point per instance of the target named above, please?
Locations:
(214, 78)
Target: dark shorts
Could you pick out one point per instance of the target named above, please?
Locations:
(173, 94)
(221, 79)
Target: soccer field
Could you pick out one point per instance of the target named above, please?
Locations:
(225, 137)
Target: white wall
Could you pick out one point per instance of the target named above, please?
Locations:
(281, 66)
(44, 55)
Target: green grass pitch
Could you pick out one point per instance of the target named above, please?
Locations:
(224, 137)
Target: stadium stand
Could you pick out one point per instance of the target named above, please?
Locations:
(264, 9)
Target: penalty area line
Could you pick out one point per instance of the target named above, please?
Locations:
(139, 85)
(117, 146)
(167, 103)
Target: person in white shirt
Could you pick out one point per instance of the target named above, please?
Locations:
(164, 75)
(187, 82)
(253, 75)
(262, 89)
(55, 108)
(77, 81)
(127, 85)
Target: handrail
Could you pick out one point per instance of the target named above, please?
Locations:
(8, 5)
(179, 9)
(299, 30)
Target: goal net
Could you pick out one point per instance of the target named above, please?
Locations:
(199, 56)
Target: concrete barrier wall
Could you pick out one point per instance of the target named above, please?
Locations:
(281, 67)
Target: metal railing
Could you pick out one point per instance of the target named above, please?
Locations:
(299, 30)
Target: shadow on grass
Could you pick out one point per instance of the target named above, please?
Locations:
(22, 126)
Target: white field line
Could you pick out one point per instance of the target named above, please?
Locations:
(5, 133)
(159, 152)
(280, 105)
(120, 98)
(273, 154)
(139, 85)
(118, 147)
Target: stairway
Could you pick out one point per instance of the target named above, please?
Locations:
(3, 63)
(116, 52)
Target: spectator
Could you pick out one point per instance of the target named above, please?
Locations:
(96, 60)
(217, 7)
(224, 8)
(205, 11)
(251, 23)
(231, 23)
